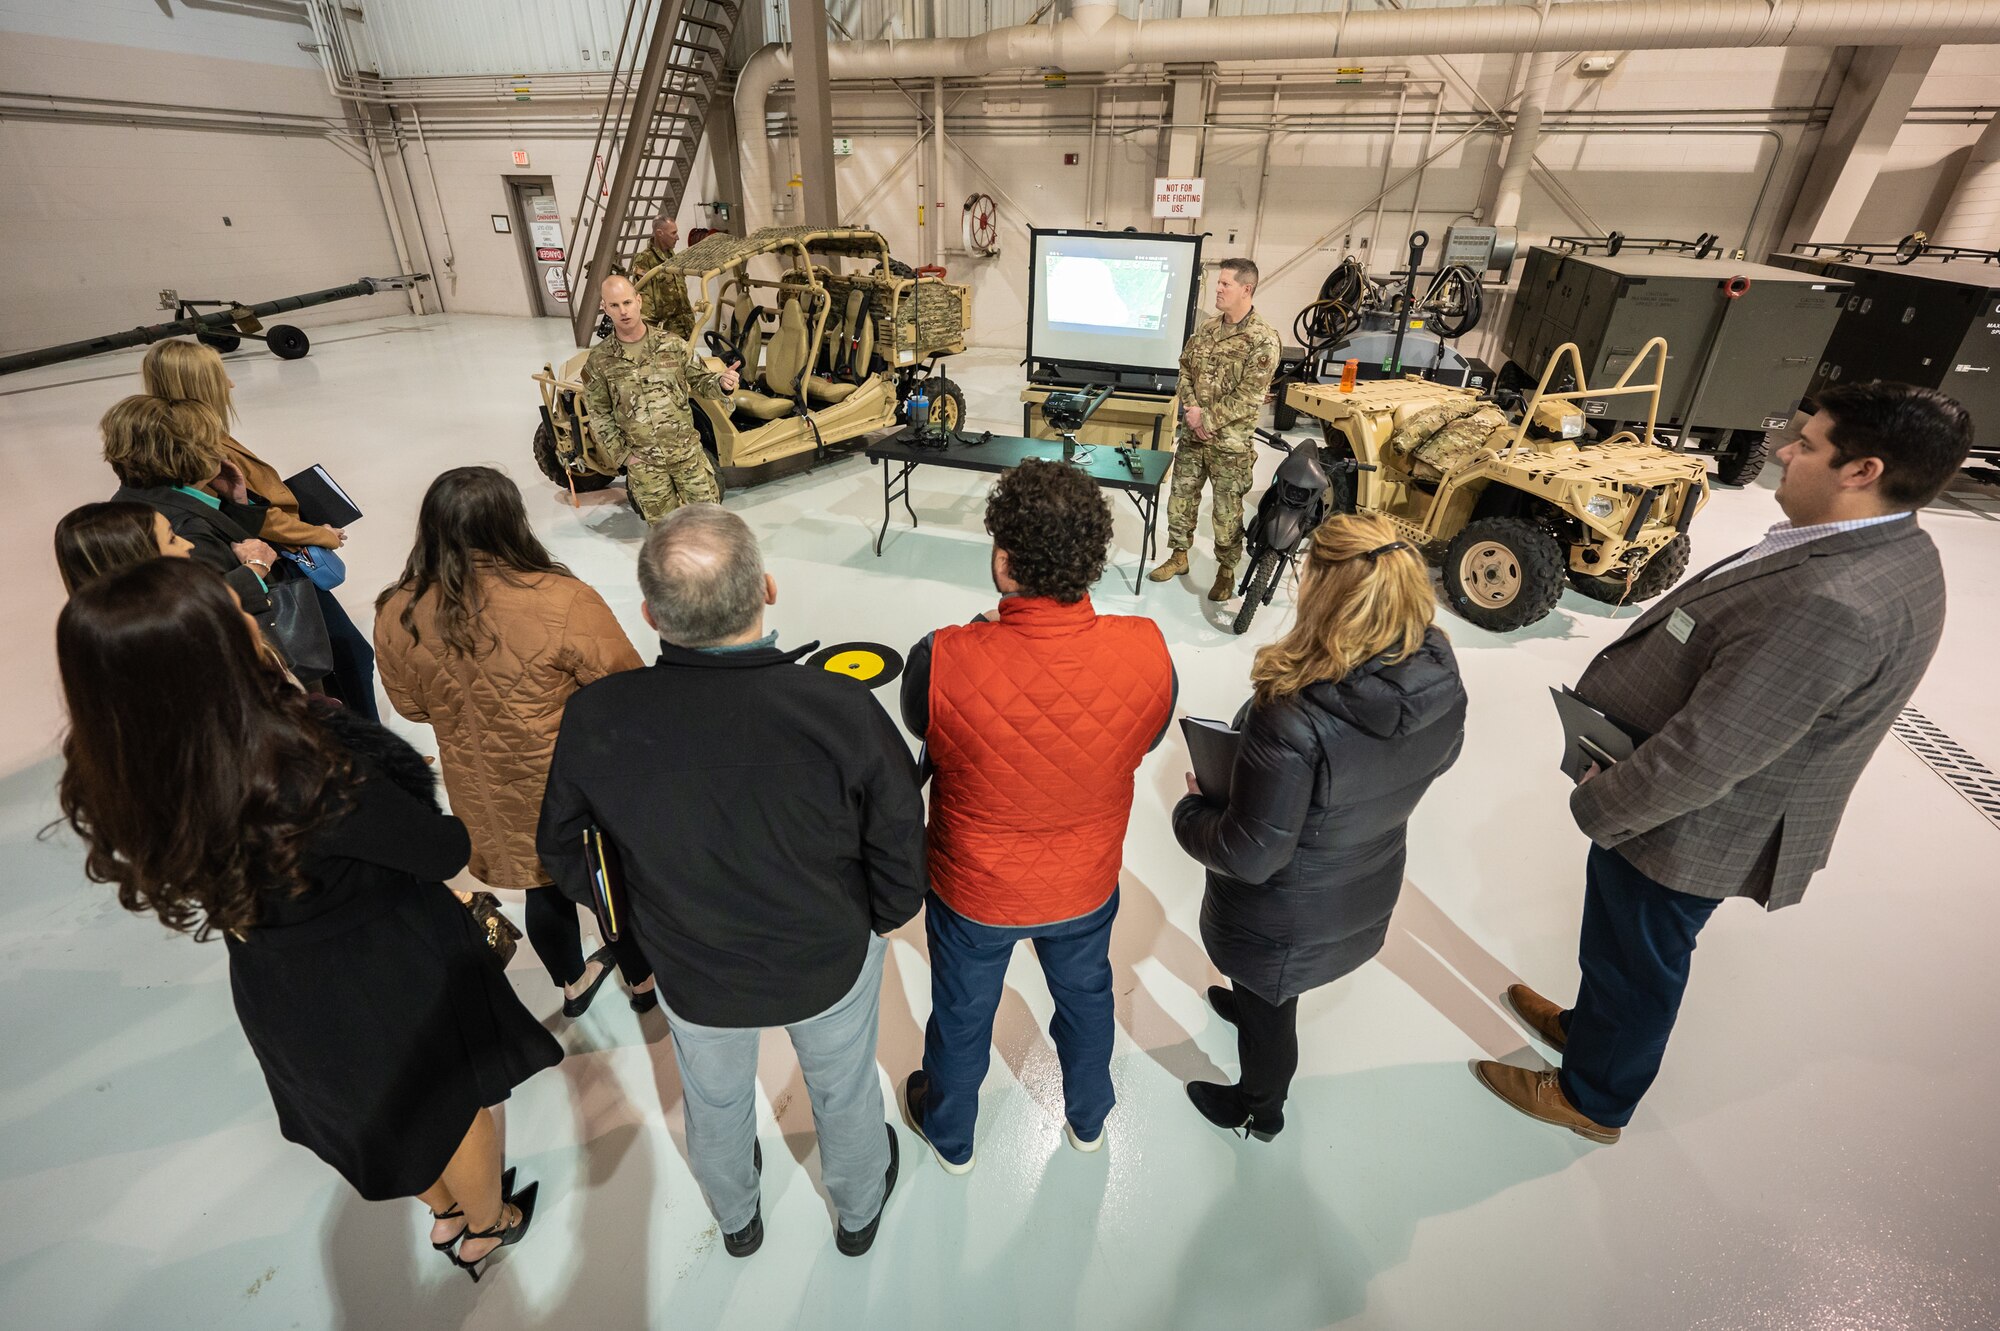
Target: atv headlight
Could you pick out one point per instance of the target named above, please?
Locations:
(1598, 506)
(1572, 426)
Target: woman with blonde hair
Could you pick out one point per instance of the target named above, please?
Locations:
(1354, 713)
(179, 369)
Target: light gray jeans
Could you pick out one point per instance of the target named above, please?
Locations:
(836, 1052)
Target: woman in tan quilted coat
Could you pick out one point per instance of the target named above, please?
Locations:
(485, 637)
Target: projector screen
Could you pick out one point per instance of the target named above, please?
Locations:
(1111, 299)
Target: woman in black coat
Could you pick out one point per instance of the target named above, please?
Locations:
(224, 801)
(1356, 711)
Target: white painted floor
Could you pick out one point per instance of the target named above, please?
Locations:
(1820, 1151)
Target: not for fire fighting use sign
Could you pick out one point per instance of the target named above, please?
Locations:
(1177, 198)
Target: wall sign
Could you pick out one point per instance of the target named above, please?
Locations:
(548, 254)
(545, 235)
(1177, 198)
(520, 157)
(500, 223)
(557, 284)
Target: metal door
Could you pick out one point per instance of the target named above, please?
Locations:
(538, 225)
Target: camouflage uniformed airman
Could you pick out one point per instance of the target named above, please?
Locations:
(666, 299)
(1226, 369)
(637, 394)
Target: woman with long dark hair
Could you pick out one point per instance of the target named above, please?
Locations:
(102, 538)
(1354, 712)
(485, 637)
(225, 802)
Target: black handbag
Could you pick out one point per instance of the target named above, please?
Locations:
(295, 627)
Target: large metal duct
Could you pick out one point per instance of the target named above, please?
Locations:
(1096, 38)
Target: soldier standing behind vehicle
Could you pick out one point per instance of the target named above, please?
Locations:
(636, 385)
(666, 299)
(1226, 369)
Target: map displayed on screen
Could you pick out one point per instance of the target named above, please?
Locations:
(1100, 292)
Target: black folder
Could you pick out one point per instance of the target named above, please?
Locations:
(1590, 736)
(607, 884)
(1212, 748)
(321, 500)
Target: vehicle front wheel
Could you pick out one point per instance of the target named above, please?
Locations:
(1262, 578)
(552, 467)
(1503, 573)
(1659, 573)
(947, 402)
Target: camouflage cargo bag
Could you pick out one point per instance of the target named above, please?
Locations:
(1447, 437)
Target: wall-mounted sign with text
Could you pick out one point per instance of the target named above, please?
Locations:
(1177, 198)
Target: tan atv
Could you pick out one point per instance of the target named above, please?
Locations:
(1509, 506)
(826, 357)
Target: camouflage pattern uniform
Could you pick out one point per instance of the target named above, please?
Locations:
(1225, 370)
(665, 302)
(637, 395)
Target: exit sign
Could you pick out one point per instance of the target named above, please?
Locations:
(520, 157)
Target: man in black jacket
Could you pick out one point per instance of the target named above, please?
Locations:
(770, 830)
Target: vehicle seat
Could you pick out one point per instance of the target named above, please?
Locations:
(827, 390)
(784, 358)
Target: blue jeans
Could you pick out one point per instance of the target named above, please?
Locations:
(836, 1052)
(1635, 948)
(968, 973)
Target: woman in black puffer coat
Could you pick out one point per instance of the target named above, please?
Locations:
(1356, 711)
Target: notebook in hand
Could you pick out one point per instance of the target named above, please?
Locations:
(321, 500)
(1589, 736)
(1212, 748)
(607, 884)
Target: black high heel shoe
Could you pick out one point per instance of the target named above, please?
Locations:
(522, 1201)
(1224, 1107)
(456, 1211)
(1223, 1002)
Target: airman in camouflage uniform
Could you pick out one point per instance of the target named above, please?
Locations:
(637, 383)
(1226, 369)
(666, 298)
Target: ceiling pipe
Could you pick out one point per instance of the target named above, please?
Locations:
(1522, 142)
(1095, 37)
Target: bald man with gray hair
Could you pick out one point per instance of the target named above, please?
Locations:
(665, 296)
(770, 833)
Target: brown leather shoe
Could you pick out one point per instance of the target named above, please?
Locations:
(1174, 566)
(1225, 584)
(1539, 1095)
(1542, 1016)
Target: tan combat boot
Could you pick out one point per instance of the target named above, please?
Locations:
(1174, 566)
(1225, 584)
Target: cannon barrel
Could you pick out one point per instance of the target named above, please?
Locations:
(220, 321)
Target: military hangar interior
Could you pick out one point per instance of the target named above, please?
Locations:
(930, 226)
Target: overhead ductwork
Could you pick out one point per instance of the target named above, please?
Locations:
(1097, 38)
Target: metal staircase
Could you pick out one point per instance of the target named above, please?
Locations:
(668, 71)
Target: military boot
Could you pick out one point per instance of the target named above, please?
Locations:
(1174, 566)
(1225, 584)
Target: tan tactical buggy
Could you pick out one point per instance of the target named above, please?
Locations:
(1509, 506)
(827, 357)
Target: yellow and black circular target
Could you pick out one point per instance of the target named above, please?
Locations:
(870, 663)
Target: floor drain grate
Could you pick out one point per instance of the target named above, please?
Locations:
(1948, 758)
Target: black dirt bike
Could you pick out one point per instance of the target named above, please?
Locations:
(1310, 484)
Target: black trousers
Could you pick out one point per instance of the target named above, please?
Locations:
(557, 938)
(353, 678)
(1267, 1042)
(1635, 948)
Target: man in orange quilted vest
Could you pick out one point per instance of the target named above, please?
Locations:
(1034, 718)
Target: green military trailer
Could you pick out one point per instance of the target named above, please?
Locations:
(827, 356)
(1510, 505)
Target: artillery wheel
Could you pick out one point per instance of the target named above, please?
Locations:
(1503, 573)
(552, 467)
(1742, 456)
(224, 342)
(1660, 572)
(1258, 590)
(287, 342)
(897, 268)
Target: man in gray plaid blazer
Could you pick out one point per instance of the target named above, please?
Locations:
(1761, 688)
